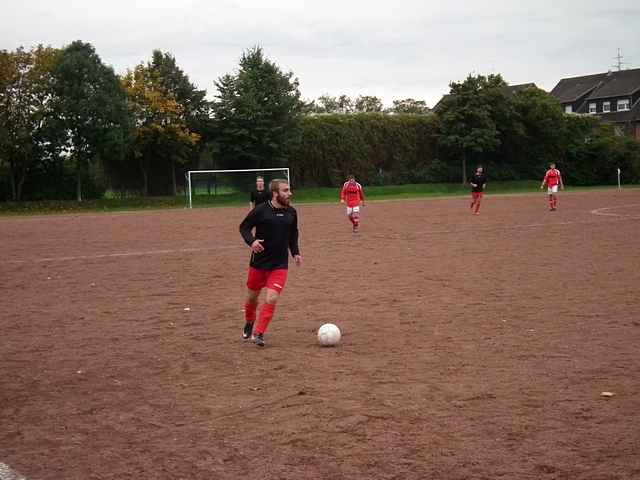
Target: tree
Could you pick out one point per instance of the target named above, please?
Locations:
(90, 108)
(326, 104)
(410, 106)
(161, 129)
(368, 104)
(25, 99)
(196, 110)
(468, 117)
(256, 112)
(534, 134)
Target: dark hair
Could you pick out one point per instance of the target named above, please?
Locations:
(351, 177)
(259, 177)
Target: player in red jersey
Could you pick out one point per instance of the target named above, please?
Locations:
(353, 195)
(276, 234)
(553, 180)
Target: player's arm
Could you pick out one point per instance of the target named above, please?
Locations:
(293, 240)
(246, 230)
(343, 193)
(560, 180)
(361, 193)
(544, 180)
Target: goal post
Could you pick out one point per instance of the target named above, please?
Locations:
(191, 174)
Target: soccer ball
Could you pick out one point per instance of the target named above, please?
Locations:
(329, 335)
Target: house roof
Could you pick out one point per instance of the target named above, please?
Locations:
(620, 83)
(569, 90)
(600, 85)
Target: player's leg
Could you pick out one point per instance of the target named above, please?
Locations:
(255, 282)
(276, 281)
(356, 218)
(350, 214)
(553, 200)
(478, 202)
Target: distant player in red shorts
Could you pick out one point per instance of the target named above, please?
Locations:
(353, 195)
(477, 182)
(553, 180)
(276, 234)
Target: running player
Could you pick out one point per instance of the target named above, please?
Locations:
(259, 195)
(553, 180)
(276, 233)
(477, 182)
(353, 195)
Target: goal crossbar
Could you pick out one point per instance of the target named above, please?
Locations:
(257, 170)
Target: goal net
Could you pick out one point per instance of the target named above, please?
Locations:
(209, 187)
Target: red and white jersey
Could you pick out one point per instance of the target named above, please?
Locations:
(352, 193)
(553, 178)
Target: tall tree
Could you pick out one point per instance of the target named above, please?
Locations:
(256, 112)
(467, 121)
(196, 109)
(90, 108)
(25, 99)
(410, 106)
(161, 132)
(368, 104)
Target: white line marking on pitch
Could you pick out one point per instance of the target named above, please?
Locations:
(122, 254)
(7, 473)
(601, 211)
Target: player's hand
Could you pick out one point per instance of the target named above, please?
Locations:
(256, 246)
(541, 187)
(474, 185)
(341, 200)
(297, 259)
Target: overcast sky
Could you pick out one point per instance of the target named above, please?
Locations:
(391, 49)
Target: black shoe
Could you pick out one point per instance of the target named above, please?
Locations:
(248, 330)
(259, 340)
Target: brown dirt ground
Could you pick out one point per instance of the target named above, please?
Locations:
(473, 347)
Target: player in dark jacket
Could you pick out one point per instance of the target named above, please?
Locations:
(477, 182)
(276, 234)
(259, 195)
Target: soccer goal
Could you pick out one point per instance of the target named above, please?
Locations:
(226, 186)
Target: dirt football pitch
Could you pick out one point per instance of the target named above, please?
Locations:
(474, 347)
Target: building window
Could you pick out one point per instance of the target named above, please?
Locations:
(593, 107)
(606, 106)
(623, 105)
(568, 109)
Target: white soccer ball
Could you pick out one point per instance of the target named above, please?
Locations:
(329, 335)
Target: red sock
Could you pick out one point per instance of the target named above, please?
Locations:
(356, 221)
(477, 207)
(555, 203)
(351, 218)
(250, 312)
(550, 202)
(266, 313)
